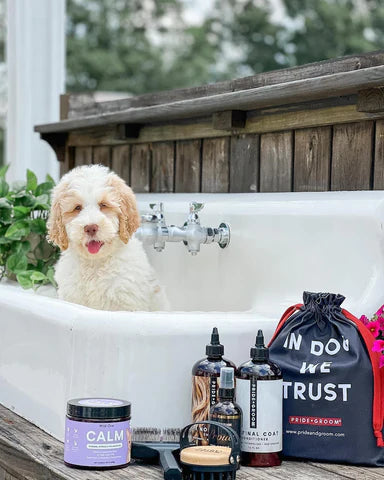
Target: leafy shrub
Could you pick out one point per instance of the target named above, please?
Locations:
(25, 254)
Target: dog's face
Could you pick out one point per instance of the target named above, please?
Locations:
(92, 211)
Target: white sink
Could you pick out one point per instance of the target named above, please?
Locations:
(281, 245)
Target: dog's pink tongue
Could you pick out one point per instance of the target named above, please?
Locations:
(94, 246)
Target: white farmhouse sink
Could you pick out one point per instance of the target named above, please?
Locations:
(281, 245)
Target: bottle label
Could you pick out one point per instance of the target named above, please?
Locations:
(217, 435)
(204, 396)
(262, 404)
(94, 444)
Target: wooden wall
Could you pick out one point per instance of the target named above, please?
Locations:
(317, 127)
(347, 156)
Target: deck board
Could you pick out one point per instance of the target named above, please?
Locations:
(28, 453)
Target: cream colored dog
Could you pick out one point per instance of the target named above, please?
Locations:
(92, 219)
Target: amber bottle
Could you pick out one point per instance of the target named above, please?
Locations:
(205, 378)
(226, 410)
(259, 392)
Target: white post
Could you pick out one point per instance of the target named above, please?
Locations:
(36, 78)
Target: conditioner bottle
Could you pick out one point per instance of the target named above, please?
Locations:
(259, 392)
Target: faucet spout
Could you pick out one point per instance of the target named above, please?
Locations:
(154, 230)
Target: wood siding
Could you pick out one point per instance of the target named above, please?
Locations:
(345, 156)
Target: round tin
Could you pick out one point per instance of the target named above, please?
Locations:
(97, 433)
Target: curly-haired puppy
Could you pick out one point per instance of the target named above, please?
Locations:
(92, 219)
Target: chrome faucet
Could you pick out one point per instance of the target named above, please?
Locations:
(154, 230)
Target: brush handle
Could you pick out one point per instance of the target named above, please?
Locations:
(171, 468)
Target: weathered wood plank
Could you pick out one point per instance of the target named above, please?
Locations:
(121, 161)
(352, 156)
(258, 122)
(64, 106)
(297, 91)
(102, 155)
(310, 70)
(312, 159)
(80, 105)
(378, 177)
(215, 165)
(244, 163)
(188, 166)
(140, 167)
(28, 453)
(163, 167)
(6, 476)
(371, 100)
(351, 471)
(83, 156)
(69, 161)
(276, 158)
(229, 120)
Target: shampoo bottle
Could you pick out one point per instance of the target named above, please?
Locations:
(205, 375)
(226, 411)
(259, 392)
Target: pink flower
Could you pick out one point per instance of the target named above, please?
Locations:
(381, 322)
(381, 361)
(374, 328)
(378, 346)
(364, 319)
(380, 311)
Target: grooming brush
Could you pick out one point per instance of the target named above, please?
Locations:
(157, 445)
(213, 461)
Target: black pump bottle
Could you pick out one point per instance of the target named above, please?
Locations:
(259, 392)
(205, 375)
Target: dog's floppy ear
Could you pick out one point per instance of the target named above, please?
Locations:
(129, 219)
(56, 228)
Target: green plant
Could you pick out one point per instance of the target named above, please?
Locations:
(25, 254)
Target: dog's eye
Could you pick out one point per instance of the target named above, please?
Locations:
(77, 208)
(103, 205)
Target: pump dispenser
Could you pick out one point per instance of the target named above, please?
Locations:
(259, 388)
(227, 383)
(205, 378)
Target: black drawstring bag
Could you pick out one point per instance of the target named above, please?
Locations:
(333, 387)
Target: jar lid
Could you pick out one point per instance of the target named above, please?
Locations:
(98, 408)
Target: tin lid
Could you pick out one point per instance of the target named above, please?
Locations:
(98, 408)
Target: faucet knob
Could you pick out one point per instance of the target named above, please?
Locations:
(148, 218)
(157, 207)
(195, 207)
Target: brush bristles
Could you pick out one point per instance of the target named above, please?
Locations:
(148, 434)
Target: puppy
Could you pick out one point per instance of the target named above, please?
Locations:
(92, 219)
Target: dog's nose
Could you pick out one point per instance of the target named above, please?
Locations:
(91, 229)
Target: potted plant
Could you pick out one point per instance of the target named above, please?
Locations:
(25, 254)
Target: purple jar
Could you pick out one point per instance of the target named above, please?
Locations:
(97, 433)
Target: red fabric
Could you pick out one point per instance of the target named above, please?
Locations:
(290, 311)
(378, 378)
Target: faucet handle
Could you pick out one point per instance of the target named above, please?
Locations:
(157, 207)
(195, 207)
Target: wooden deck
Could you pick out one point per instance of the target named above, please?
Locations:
(28, 453)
